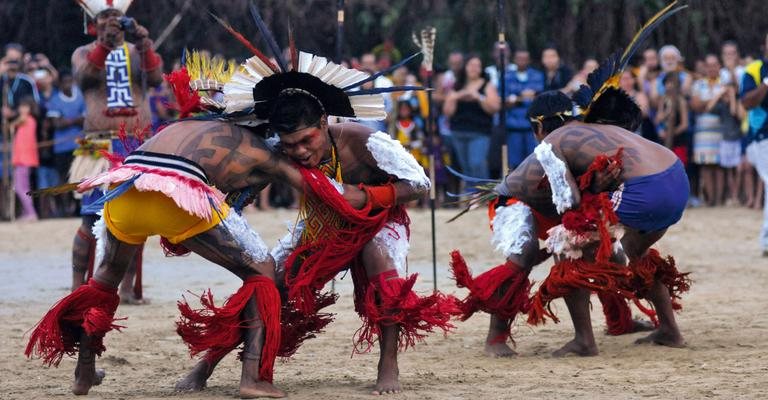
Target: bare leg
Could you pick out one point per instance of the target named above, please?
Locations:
(638, 325)
(719, 189)
(127, 295)
(82, 250)
(636, 245)
(500, 326)
(388, 380)
(498, 329)
(378, 260)
(759, 194)
(110, 273)
(747, 182)
(86, 374)
(251, 388)
(218, 245)
(668, 334)
(583, 343)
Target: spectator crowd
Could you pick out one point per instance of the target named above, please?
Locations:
(693, 107)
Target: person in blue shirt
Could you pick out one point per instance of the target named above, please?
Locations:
(66, 113)
(754, 87)
(66, 109)
(522, 85)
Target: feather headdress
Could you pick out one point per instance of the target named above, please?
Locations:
(94, 7)
(605, 79)
(259, 81)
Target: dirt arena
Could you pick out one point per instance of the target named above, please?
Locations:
(725, 322)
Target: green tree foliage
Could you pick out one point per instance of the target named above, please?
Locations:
(579, 28)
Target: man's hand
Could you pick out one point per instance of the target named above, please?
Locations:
(140, 32)
(143, 42)
(528, 94)
(607, 180)
(355, 196)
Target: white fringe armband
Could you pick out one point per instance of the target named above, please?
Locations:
(556, 171)
(248, 239)
(392, 158)
(512, 229)
(394, 239)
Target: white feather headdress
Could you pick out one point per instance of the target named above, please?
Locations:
(338, 89)
(94, 7)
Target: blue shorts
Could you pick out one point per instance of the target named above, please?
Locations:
(653, 202)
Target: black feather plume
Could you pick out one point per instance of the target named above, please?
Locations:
(276, 52)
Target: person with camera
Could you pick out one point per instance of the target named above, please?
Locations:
(113, 75)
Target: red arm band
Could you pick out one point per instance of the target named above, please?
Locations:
(98, 55)
(149, 59)
(380, 196)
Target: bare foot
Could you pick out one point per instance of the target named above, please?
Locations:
(498, 349)
(663, 339)
(641, 325)
(388, 381)
(576, 347)
(86, 376)
(131, 300)
(257, 389)
(195, 381)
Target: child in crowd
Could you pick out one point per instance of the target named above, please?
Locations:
(25, 156)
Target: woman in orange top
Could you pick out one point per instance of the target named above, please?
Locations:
(25, 156)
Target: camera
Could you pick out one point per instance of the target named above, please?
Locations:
(127, 24)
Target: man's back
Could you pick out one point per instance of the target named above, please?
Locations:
(233, 157)
(580, 143)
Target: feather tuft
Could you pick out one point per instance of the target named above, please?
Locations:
(239, 36)
(271, 43)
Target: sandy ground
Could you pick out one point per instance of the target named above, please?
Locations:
(725, 321)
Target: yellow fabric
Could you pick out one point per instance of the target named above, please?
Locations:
(314, 212)
(134, 216)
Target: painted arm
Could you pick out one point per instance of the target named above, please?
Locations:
(524, 184)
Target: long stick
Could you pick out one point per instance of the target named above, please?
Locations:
(339, 30)
(339, 50)
(171, 25)
(501, 129)
(426, 42)
(7, 187)
(433, 187)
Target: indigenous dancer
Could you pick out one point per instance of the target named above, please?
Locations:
(548, 112)
(113, 75)
(351, 215)
(530, 213)
(172, 186)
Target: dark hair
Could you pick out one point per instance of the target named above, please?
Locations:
(31, 103)
(548, 107)
(550, 46)
(730, 43)
(671, 77)
(461, 79)
(615, 107)
(64, 71)
(13, 46)
(294, 111)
